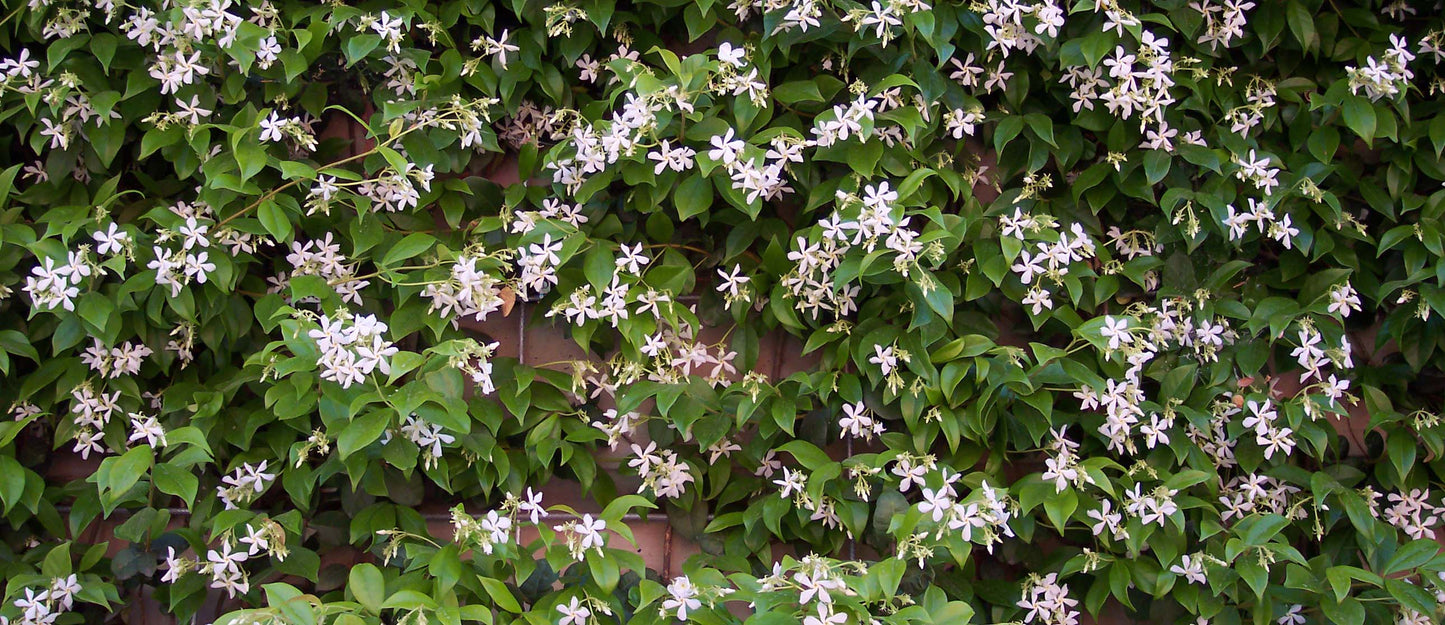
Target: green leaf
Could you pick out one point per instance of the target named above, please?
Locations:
(118, 473)
(1401, 448)
(362, 432)
(693, 197)
(403, 363)
(1347, 612)
(891, 505)
(359, 45)
(864, 158)
(1090, 178)
(96, 309)
(57, 562)
(293, 605)
(107, 142)
(622, 505)
(251, 157)
(1412, 596)
(407, 599)
(1437, 133)
(56, 51)
(411, 245)
(940, 301)
(1096, 46)
(1339, 581)
(797, 91)
(1360, 117)
(806, 454)
(954, 613)
(604, 569)
(103, 46)
(367, 584)
(1042, 126)
(173, 480)
(913, 182)
(1411, 555)
(1302, 24)
(296, 170)
(445, 566)
(1186, 478)
(501, 595)
(14, 342)
(393, 158)
(1156, 166)
(1258, 531)
(1342, 577)
(1006, 130)
(1060, 507)
(7, 180)
(274, 219)
(1253, 574)
(311, 286)
(599, 266)
(12, 481)
(1273, 312)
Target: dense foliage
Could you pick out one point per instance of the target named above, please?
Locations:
(1115, 305)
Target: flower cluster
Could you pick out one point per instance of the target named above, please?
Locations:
(684, 596)
(224, 565)
(56, 286)
(821, 586)
(93, 412)
(429, 437)
(322, 257)
(352, 347)
(116, 361)
(582, 534)
(858, 225)
(471, 292)
(1050, 260)
(1047, 601)
(49, 604)
(1384, 79)
(244, 485)
(661, 471)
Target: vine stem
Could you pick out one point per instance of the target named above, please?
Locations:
(375, 274)
(1344, 21)
(677, 246)
(698, 250)
(12, 15)
(274, 192)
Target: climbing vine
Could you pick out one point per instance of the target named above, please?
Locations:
(1105, 306)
